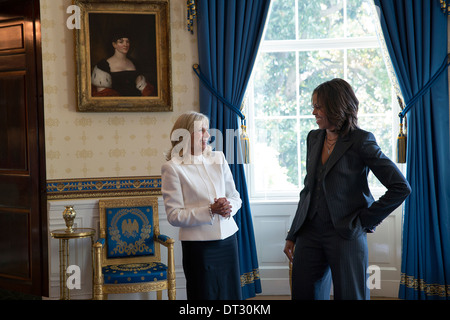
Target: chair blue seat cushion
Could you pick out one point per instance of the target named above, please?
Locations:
(134, 273)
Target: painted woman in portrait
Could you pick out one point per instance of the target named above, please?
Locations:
(120, 75)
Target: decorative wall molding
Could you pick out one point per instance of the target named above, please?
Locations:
(103, 187)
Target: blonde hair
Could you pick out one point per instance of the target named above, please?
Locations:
(186, 121)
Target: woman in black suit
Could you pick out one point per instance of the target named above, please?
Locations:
(336, 208)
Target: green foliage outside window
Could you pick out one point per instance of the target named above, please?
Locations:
(284, 80)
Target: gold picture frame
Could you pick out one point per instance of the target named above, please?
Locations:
(123, 56)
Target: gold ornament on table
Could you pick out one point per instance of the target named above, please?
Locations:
(69, 215)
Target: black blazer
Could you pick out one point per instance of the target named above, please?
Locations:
(352, 208)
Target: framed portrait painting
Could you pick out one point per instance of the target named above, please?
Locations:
(123, 56)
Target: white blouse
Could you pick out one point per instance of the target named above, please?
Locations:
(188, 190)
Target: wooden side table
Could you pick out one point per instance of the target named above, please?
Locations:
(64, 235)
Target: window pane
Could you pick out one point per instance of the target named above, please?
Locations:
(320, 19)
(281, 23)
(276, 144)
(306, 125)
(283, 83)
(359, 19)
(275, 83)
(368, 76)
(316, 67)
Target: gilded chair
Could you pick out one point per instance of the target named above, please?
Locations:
(127, 255)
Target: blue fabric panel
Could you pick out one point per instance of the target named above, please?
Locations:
(129, 232)
(134, 273)
(416, 37)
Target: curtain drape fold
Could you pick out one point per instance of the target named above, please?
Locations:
(415, 32)
(229, 33)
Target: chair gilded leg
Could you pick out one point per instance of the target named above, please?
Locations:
(171, 291)
(98, 277)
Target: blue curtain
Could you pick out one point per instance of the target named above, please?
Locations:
(229, 33)
(415, 32)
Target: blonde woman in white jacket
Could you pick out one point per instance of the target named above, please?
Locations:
(201, 199)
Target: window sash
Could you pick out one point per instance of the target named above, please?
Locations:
(319, 44)
(303, 45)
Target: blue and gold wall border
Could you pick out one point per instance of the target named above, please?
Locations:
(103, 187)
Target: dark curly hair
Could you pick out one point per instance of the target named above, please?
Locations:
(339, 103)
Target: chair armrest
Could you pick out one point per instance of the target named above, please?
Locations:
(169, 243)
(164, 240)
(100, 242)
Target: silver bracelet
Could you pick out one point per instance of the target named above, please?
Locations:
(210, 211)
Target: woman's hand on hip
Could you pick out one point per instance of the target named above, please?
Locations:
(289, 250)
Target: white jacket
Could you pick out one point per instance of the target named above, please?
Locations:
(188, 190)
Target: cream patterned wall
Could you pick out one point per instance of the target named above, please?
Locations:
(89, 145)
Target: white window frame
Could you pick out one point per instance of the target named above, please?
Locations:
(369, 42)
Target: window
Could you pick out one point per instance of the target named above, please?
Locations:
(306, 43)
